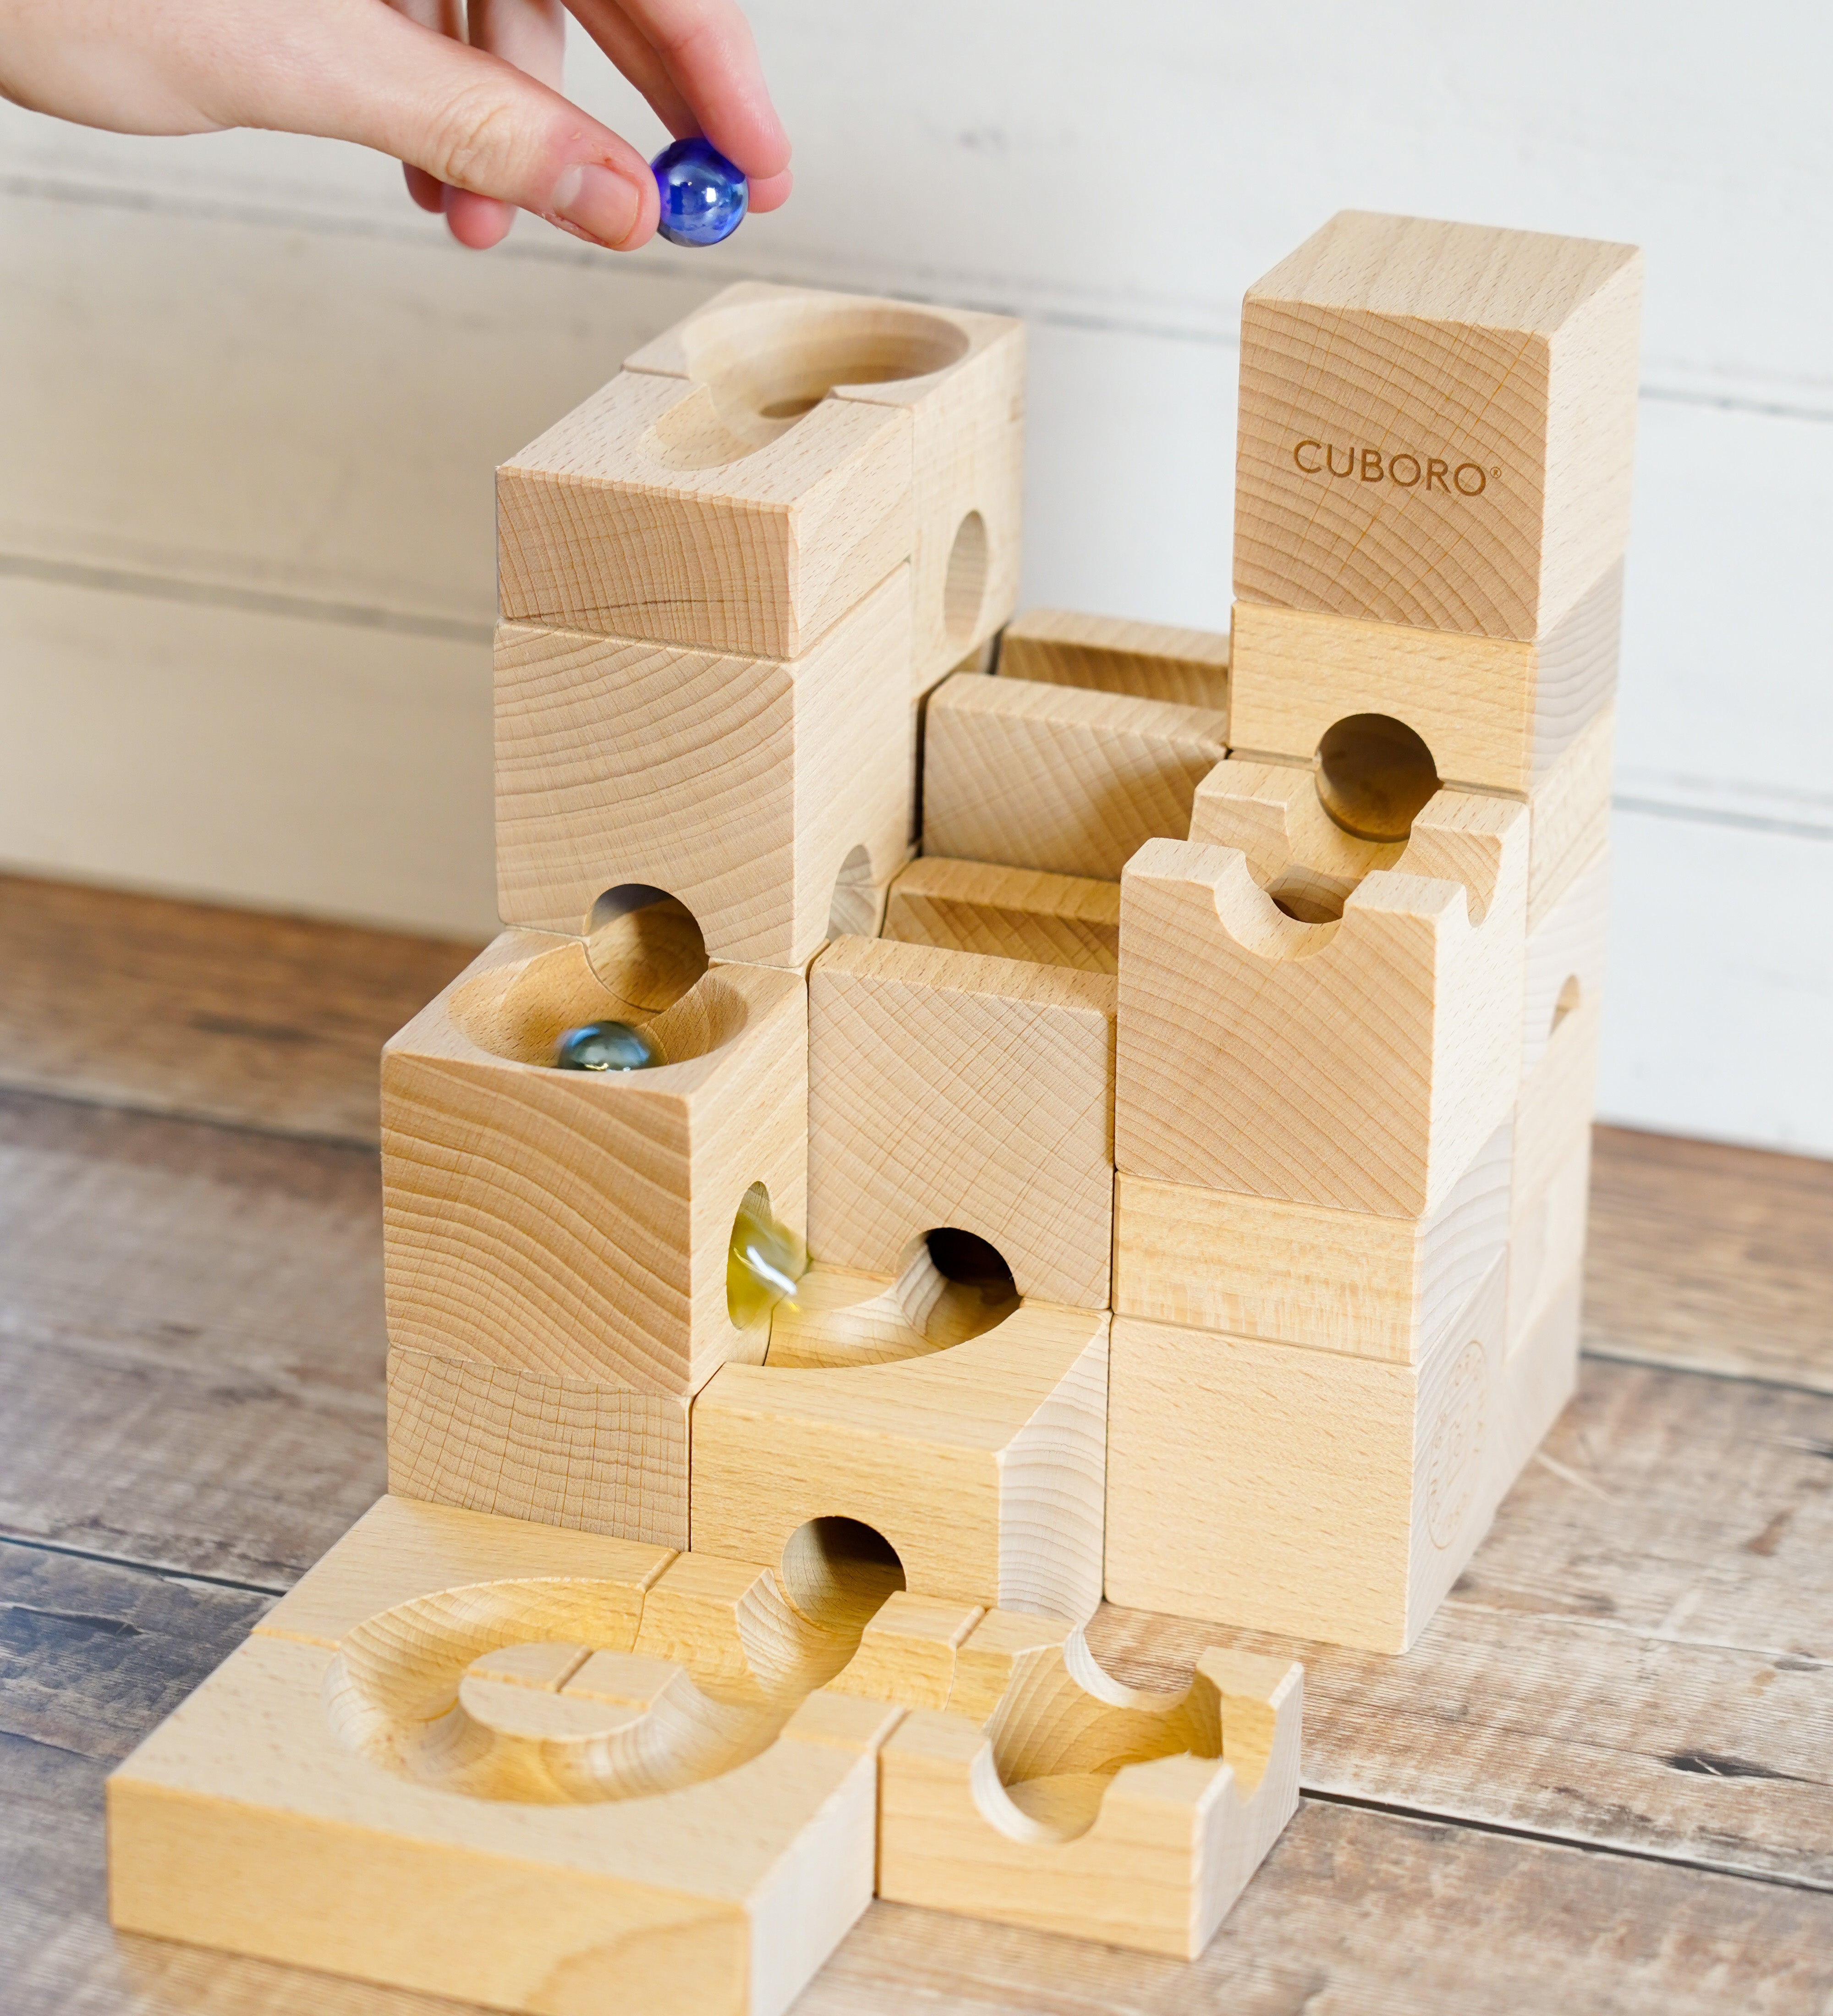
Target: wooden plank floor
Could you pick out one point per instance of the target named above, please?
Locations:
(1601, 1781)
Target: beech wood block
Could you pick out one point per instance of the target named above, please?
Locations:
(651, 512)
(575, 1224)
(1057, 777)
(628, 1841)
(599, 1457)
(982, 1464)
(947, 1088)
(1570, 808)
(1150, 660)
(1566, 953)
(907, 1653)
(1497, 714)
(745, 786)
(767, 354)
(1085, 1807)
(1539, 1376)
(1275, 1487)
(1360, 1064)
(1552, 1177)
(1437, 424)
(1006, 914)
(1352, 1281)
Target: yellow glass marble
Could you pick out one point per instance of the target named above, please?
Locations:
(763, 1263)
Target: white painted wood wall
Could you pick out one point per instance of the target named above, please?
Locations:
(250, 402)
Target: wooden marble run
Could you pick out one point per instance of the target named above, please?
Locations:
(1176, 1058)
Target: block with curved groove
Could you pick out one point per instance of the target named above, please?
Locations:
(1359, 1062)
(1081, 1806)
(743, 785)
(982, 1464)
(686, 1835)
(767, 352)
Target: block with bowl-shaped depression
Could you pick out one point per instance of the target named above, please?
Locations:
(952, 1089)
(769, 359)
(1058, 777)
(1297, 1022)
(751, 787)
(1437, 424)
(558, 1243)
(1080, 1805)
(1315, 1493)
(1150, 660)
(980, 1460)
(676, 1818)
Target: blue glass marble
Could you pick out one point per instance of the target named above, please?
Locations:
(705, 197)
(605, 1046)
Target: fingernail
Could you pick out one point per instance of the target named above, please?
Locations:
(597, 201)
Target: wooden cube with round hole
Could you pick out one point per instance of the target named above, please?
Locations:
(952, 1089)
(675, 1817)
(556, 1241)
(1307, 1016)
(966, 1427)
(1079, 1805)
(771, 796)
(769, 359)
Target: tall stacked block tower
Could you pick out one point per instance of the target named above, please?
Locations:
(1165, 1068)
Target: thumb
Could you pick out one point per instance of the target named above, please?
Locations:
(356, 69)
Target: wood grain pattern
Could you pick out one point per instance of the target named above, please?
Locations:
(1080, 1807)
(1150, 660)
(1712, 1257)
(642, 514)
(1506, 359)
(762, 349)
(1304, 1492)
(1567, 950)
(1006, 914)
(1056, 778)
(741, 785)
(1358, 1281)
(273, 1022)
(1359, 1064)
(947, 1088)
(576, 1224)
(1497, 715)
(981, 1465)
(1571, 814)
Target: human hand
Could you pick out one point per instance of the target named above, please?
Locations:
(479, 124)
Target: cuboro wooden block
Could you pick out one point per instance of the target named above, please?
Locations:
(1437, 421)
(1279, 1488)
(1085, 1807)
(1150, 660)
(1058, 777)
(765, 355)
(1006, 914)
(982, 1464)
(947, 1088)
(748, 788)
(628, 1836)
(1360, 1062)
(555, 1241)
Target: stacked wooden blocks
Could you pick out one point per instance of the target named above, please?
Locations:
(1189, 1147)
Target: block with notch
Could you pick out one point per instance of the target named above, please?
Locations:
(1150, 660)
(1497, 714)
(765, 357)
(1358, 1060)
(750, 788)
(576, 1223)
(1058, 777)
(1437, 423)
(1082, 1806)
(950, 1089)
(980, 1462)
(1006, 914)
(1277, 1487)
